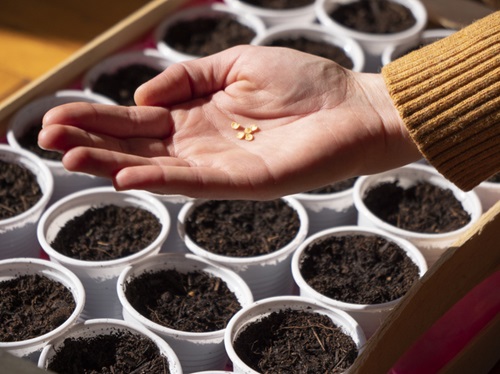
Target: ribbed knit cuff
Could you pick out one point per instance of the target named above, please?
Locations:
(448, 95)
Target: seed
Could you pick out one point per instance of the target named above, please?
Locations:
(249, 137)
(254, 128)
(235, 125)
(240, 135)
(248, 130)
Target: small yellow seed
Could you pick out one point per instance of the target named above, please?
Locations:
(254, 128)
(249, 137)
(248, 130)
(240, 135)
(235, 125)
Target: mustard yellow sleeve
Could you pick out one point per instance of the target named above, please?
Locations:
(448, 95)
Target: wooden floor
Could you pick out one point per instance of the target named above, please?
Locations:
(36, 35)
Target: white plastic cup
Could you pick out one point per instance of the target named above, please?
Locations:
(374, 44)
(260, 309)
(65, 182)
(18, 233)
(488, 193)
(273, 17)
(318, 33)
(329, 209)
(266, 275)
(105, 326)
(393, 52)
(197, 351)
(99, 277)
(10, 269)
(369, 316)
(174, 204)
(196, 12)
(431, 245)
(147, 57)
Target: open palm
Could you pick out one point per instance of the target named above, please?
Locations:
(317, 122)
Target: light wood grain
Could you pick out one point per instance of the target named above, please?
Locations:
(36, 35)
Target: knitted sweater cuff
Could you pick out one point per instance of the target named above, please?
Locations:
(448, 95)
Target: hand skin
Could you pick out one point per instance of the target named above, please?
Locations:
(318, 123)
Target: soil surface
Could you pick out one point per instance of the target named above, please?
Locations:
(423, 207)
(29, 141)
(339, 186)
(315, 47)
(374, 16)
(208, 35)
(193, 301)
(358, 269)
(118, 352)
(107, 233)
(19, 189)
(32, 305)
(279, 4)
(242, 228)
(120, 86)
(291, 341)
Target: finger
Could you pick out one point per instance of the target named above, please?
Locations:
(63, 138)
(114, 120)
(104, 163)
(188, 80)
(185, 180)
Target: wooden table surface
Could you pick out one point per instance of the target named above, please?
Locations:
(36, 35)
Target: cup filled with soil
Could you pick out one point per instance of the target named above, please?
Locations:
(362, 271)
(427, 37)
(375, 24)
(287, 333)
(489, 191)
(317, 40)
(256, 239)
(277, 12)
(186, 300)
(118, 76)
(109, 346)
(39, 301)
(22, 133)
(329, 206)
(96, 233)
(416, 203)
(204, 30)
(26, 186)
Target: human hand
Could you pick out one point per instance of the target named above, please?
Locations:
(318, 123)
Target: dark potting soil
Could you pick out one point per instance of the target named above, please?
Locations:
(118, 352)
(315, 47)
(32, 305)
(374, 16)
(240, 228)
(19, 189)
(339, 186)
(291, 341)
(195, 301)
(107, 233)
(120, 86)
(423, 207)
(29, 141)
(358, 269)
(208, 35)
(279, 4)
